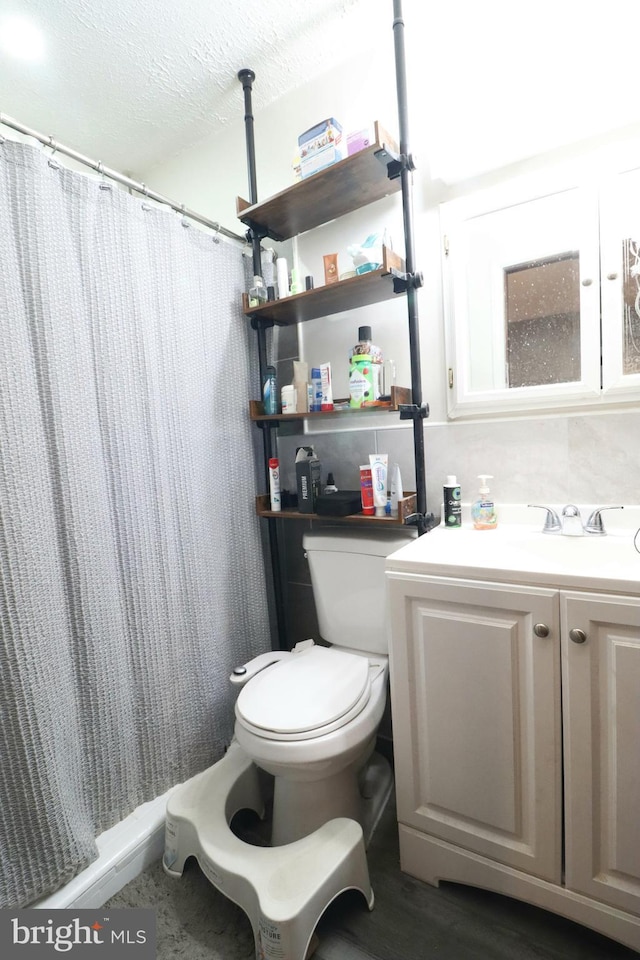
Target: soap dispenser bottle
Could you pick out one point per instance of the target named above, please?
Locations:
(483, 511)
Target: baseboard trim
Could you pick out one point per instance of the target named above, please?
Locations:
(125, 851)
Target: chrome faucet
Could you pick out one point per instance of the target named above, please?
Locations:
(570, 524)
(571, 521)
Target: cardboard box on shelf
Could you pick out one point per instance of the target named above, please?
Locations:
(307, 479)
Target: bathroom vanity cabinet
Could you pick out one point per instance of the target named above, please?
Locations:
(516, 718)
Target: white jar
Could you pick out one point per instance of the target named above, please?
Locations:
(288, 398)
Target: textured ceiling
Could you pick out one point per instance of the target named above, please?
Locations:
(131, 82)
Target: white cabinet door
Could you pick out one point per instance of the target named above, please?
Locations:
(475, 697)
(620, 253)
(522, 299)
(602, 746)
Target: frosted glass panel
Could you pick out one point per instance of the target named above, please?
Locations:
(631, 307)
(542, 320)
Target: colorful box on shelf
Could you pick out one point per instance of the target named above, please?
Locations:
(359, 140)
(319, 147)
(327, 133)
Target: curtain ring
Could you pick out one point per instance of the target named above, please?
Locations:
(184, 221)
(145, 193)
(54, 146)
(216, 234)
(104, 184)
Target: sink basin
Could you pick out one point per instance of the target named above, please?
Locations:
(579, 552)
(521, 553)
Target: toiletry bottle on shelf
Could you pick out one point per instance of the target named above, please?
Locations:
(452, 502)
(268, 263)
(257, 292)
(365, 370)
(396, 489)
(282, 277)
(288, 398)
(316, 391)
(274, 484)
(331, 486)
(270, 391)
(483, 511)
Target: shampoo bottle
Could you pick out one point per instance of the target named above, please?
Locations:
(270, 391)
(451, 502)
(483, 511)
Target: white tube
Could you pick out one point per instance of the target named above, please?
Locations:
(327, 390)
(396, 489)
(379, 462)
(282, 277)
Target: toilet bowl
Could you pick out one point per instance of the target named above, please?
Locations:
(310, 720)
(310, 716)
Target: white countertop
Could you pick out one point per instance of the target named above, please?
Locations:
(518, 552)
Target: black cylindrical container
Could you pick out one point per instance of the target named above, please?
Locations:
(452, 503)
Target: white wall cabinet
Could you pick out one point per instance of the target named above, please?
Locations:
(519, 336)
(490, 690)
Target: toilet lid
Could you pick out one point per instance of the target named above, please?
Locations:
(305, 691)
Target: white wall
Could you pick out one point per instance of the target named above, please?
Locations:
(585, 457)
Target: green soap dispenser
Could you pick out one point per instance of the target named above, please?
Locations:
(483, 511)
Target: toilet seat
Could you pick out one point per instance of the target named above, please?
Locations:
(306, 695)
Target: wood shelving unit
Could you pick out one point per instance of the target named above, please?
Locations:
(339, 189)
(406, 507)
(360, 291)
(399, 395)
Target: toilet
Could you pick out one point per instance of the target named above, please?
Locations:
(309, 717)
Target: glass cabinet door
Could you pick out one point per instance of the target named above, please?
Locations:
(620, 251)
(522, 303)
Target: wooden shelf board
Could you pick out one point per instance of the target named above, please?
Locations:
(339, 189)
(360, 291)
(399, 395)
(406, 507)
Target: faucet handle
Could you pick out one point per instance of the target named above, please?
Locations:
(594, 525)
(551, 522)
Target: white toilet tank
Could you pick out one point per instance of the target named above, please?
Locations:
(347, 576)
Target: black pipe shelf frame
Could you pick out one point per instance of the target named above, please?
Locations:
(381, 169)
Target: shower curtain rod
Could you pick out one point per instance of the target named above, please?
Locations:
(118, 177)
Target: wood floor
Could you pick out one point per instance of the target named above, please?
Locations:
(410, 921)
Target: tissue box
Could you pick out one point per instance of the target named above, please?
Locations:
(340, 504)
(307, 479)
(359, 140)
(327, 133)
(316, 162)
(320, 146)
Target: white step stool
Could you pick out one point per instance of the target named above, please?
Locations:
(283, 890)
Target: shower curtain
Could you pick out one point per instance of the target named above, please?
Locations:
(131, 573)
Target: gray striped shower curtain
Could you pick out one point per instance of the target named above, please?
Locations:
(131, 573)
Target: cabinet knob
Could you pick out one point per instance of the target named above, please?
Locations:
(577, 635)
(587, 282)
(541, 630)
